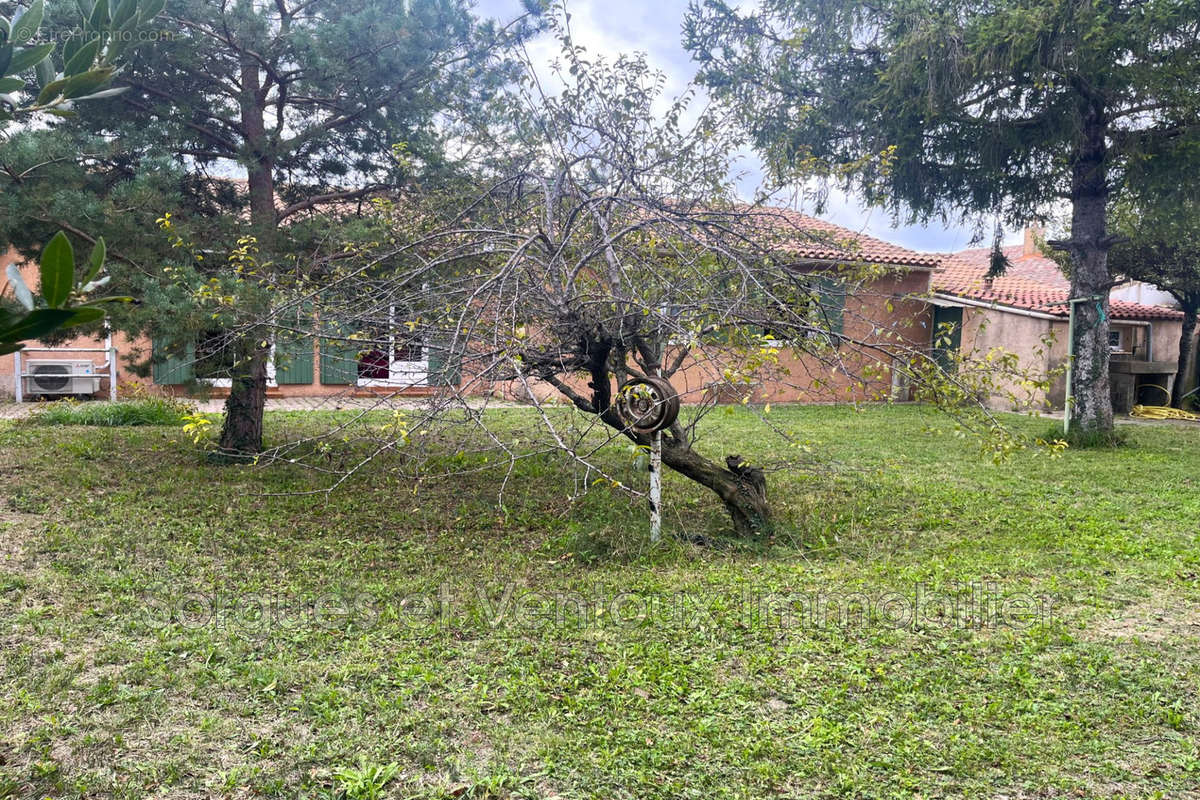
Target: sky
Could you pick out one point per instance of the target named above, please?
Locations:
(609, 27)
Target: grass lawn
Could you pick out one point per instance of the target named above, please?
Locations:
(172, 628)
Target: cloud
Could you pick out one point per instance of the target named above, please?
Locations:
(611, 27)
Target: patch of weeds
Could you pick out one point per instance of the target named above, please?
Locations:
(502, 785)
(84, 449)
(123, 413)
(46, 772)
(104, 693)
(12, 583)
(364, 782)
(23, 501)
(1173, 714)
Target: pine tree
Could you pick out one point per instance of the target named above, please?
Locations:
(282, 109)
(971, 107)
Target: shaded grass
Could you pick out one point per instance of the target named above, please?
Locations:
(173, 629)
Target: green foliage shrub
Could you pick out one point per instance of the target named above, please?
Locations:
(140, 411)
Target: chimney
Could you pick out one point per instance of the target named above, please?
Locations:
(1032, 233)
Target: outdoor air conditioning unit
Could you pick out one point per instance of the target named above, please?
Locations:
(60, 377)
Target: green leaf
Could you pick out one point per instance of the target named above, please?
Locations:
(45, 72)
(126, 10)
(104, 94)
(58, 270)
(116, 46)
(36, 324)
(83, 60)
(28, 57)
(96, 260)
(5, 30)
(99, 17)
(8, 349)
(112, 298)
(92, 286)
(20, 290)
(86, 83)
(84, 315)
(11, 85)
(51, 90)
(85, 9)
(74, 42)
(6, 54)
(26, 27)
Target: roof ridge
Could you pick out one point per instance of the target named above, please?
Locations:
(1039, 286)
(870, 248)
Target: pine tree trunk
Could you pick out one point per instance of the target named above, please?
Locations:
(1091, 399)
(242, 433)
(1185, 356)
(242, 430)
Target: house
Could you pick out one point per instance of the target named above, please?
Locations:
(890, 310)
(909, 300)
(306, 367)
(1027, 307)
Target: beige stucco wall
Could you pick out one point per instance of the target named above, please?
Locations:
(984, 329)
(1039, 345)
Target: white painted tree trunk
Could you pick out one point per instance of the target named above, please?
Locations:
(656, 487)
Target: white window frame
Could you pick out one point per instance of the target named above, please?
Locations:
(401, 373)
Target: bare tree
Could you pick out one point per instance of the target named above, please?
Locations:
(609, 246)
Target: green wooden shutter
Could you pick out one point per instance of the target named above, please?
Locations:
(294, 361)
(173, 365)
(339, 362)
(945, 346)
(338, 357)
(294, 352)
(445, 366)
(831, 297)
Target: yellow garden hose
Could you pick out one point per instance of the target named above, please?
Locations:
(1162, 412)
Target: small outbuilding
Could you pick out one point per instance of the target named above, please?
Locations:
(1025, 312)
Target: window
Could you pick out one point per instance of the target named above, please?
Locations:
(1114, 340)
(821, 304)
(946, 336)
(395, 356)
(373, 365)
(830, 308)
(409, 349)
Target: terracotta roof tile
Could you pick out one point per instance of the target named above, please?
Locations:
(1033, 283)
(811, 238)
